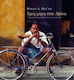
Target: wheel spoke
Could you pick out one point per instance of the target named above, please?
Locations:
(4, 62)
(59, 66)
(9, 68)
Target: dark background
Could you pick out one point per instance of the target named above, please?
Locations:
(68, 7)
(50, 24)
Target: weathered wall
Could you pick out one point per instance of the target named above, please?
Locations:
(12, 14)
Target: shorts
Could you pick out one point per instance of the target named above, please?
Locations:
(32, 50)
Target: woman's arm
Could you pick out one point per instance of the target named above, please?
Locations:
(22, 36)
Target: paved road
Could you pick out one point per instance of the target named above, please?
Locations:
(41, 74)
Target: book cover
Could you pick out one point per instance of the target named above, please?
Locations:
(52, 16)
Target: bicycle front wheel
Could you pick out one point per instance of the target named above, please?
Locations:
(60, 65)
(12, 64)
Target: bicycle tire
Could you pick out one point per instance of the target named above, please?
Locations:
(60, 66)
(12, 64)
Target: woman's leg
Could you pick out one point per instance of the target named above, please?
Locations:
(46, 50)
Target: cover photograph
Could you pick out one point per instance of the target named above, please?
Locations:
(36, 40)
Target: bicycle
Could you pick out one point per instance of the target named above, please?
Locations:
(15, 64)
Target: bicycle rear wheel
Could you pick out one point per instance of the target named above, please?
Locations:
(60, 66)
(12, 64)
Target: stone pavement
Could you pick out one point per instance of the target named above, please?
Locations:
(40, 75)
(70, 49)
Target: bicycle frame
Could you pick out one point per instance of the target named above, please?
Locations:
(49, 45)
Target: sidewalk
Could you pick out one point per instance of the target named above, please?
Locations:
(40, 75)
(71, 49)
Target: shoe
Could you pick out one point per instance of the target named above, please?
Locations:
(50, 70)
(18, 71)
